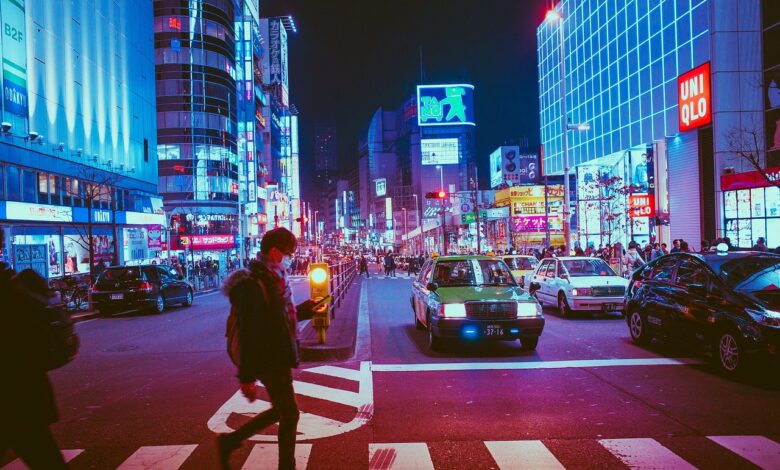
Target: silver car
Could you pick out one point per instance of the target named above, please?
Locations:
(579, 283)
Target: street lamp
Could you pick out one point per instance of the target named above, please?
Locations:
(441, 176)
(406, 231)
(419, 219)
(556, 16)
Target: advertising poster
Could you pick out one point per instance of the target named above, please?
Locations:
(528, 168)
(495, 168)
(439, 151)
(154, 236)
(14, 49)
(380, 187)
(445, 105)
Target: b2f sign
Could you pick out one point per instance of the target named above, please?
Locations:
(694, 98)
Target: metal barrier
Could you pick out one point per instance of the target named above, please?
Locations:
(341, 276)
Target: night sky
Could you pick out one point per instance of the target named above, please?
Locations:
(351, 56)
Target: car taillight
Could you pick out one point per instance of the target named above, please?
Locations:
(145, 287)
(95, 289)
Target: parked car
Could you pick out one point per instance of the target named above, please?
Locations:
(521, 266)
(575, 283)
(469, 297)
(727, 303)
(152, 287)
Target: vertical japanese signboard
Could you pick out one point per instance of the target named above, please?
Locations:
(14, 47)
(694, 98)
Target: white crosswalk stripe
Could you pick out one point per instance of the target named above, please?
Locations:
(157, 458)
(267, 456)
(403, 456)
(638, 453)
(645, 453)
(522, 455)
(757, 449)
(68, 455)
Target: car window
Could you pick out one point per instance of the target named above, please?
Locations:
(551, 269)
(472, 272)
(690, 272)
(663, 269)
(165, 272)
(511, 262)
(588, 267)
(425, 275)
(151, 273)
(542, 268)
(120, 274)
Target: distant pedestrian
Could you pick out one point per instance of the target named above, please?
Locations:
(676, 246)
(760, 245)
(363, 266)
(632, 259)
(27, 405)
(684, 248)
(267, 328)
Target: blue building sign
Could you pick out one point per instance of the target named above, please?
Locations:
(445, 105)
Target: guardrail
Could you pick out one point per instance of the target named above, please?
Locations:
(341, 276)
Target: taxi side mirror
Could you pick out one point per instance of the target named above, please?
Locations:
(432, 286)
(533, 287)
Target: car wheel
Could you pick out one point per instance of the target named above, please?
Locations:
(563, 305)
(729, 351)
(159, 304)
(188, 298)
(529, 343)
(637, 326)
(434, 342)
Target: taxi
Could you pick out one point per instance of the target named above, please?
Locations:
(521, 266)
(474, 297)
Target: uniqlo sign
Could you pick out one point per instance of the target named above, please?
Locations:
(642, 205)
(693, 98)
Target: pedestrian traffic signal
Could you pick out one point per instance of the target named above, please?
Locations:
(436, 195)
(319, 287)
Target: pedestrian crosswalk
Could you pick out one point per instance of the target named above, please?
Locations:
(635, 453)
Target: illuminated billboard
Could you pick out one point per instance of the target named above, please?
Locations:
(445, 105)
(380, 187)
(496, 175)
(693, 98)
(439, 151)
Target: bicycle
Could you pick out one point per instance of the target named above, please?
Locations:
(73, 292)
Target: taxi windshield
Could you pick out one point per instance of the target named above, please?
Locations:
(588, 267)
(472, 272)
(527, 264)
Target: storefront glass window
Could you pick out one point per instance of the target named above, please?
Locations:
(53, 250)
(751, 214)
(54, 189)
(29, 186)
(43, 188)
(773, 202)
(77, 252)
(730, 204)
(743, 203)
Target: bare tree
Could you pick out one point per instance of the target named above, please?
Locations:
(613, 194)
(746, 143)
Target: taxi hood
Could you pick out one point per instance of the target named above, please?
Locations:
(460, 294)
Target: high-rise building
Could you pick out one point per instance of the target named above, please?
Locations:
(195, 56)
(665, 87)
(78, 136)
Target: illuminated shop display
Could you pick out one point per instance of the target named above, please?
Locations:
(751, 208)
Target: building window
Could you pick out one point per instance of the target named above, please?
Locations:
(146, 150)
(43, 188)
(2, 182)
(29, 186)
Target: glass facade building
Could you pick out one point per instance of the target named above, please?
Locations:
(622, 63)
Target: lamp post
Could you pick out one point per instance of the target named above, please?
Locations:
(556, 16)
(406, 230)
(316, 229)
(441, 176)
(419, 220)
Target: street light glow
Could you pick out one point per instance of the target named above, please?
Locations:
(553, 16)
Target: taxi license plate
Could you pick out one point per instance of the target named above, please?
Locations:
(610, 307)
(117, 296)
(494, 330)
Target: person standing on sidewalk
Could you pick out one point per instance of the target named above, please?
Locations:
(363, 266)
(267, 332)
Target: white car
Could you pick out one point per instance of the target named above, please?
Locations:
(579, 283)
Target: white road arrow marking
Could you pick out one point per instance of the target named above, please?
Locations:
(310, 426)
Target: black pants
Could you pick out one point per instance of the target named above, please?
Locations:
(284, 410)
(35, 445)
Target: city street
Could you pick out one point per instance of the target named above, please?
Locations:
(152, 389)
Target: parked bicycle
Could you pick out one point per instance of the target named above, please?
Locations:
(73, 290)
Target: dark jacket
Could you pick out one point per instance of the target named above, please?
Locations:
(266, 344)
(26, 395)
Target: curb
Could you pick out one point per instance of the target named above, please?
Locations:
(314, 352)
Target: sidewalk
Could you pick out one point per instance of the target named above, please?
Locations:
(340, 338)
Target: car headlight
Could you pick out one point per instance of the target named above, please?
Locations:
(528, 309)
(582, 291)
(768, 318)
(452, 311)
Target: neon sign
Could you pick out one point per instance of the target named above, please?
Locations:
(694, 100)
(445, 105)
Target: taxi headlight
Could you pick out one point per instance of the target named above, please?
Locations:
(768, 318)
(452, 311)
(580, 291)
(528, 309)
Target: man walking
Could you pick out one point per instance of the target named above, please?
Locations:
(363, 266)
(267, 328)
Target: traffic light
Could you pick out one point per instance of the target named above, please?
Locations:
(319, 286)
(436, 195)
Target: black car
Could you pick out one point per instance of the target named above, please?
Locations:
(727, 303)
(152, 287)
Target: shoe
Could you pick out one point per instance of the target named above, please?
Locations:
(224, 447)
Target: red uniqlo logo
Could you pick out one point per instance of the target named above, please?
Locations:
(693, 98)
(642, 205)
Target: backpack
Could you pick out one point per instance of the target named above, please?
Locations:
(62, 342)
(231, 330)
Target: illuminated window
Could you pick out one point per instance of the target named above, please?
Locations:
(174, 23)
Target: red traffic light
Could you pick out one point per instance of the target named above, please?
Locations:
(436, 195)
(442, 194)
